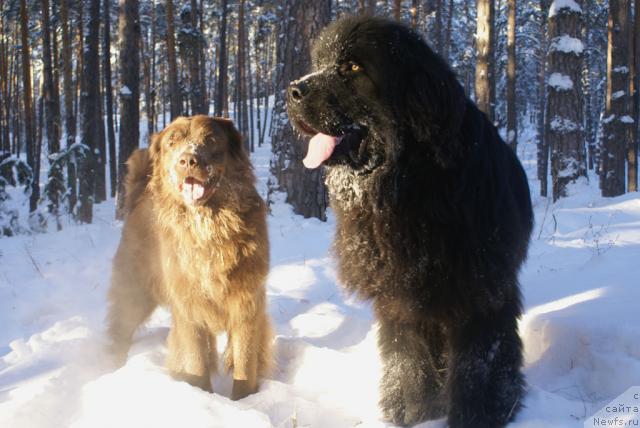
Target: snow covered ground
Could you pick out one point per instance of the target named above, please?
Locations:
(581, 328)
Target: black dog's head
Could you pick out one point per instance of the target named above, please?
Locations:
(375, 88)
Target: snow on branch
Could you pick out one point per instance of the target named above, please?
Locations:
(617, 95)
(563, 125)
(559, 5)
(560, 82)
(567, 44)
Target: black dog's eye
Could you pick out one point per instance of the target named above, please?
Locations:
(350, 68)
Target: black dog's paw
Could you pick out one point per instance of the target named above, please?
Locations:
(393, 412)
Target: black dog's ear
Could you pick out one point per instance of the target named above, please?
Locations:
(432, 103)
(236, 141)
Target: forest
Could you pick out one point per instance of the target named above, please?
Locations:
(84, 83)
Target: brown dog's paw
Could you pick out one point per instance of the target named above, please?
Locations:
(242, 388)
(202, 382)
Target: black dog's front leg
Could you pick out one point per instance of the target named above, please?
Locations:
(414, 372)
(486, 385)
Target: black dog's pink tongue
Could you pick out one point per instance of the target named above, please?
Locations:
(320, 148)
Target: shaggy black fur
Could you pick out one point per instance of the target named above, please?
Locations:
(433, 220)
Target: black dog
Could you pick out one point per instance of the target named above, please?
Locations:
(433, 214)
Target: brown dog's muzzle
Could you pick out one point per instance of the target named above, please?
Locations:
(194, 181)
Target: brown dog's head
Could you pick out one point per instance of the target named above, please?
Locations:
(193, 155)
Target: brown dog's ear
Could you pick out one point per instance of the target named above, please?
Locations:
(236, 146)
(154, 145)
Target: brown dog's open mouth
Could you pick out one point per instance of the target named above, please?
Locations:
(195, 191)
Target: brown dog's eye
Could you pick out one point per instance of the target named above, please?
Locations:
(355, 67)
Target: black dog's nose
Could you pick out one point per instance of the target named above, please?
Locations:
(297, 91)
(187, 160)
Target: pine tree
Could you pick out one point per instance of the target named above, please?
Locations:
(618, 119)
(174, 88)
(55, 186)
(563, 126)
(33, 152)
(512, 115)
(485, 66)
(90, 113)
(221, 107)
(129, 91)
(108, 94)
(299, 24)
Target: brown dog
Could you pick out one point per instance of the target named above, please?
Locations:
(195, 240)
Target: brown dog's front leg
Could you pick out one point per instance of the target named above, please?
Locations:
(245, 361)
(188, 356)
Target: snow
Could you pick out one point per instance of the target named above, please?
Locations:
(558, 5)
(563, 125)
(580, 327)
(125, 91)
(618, 94)
(567, 44)
(560, 82)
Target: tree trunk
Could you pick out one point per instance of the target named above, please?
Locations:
(485, 66)
(543, 145)
(618, 111)
(69, 117)
(438, 29)
(130, 92)
(512, 117)
(242, 77)
(151, 125)
(100, 186)
(33, 159)
(79, 61)
(108, 93)
(414, 14)
(4, 87)
(174, 89)
(397, 8)
(221, 106)
(632, 154)
(300, 23)
(90, 115)
(447, 36)
(52, 121)
(564, 116)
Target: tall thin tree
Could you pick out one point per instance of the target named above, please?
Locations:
(69, 116)
(299, 24)
(221, 107)
(174, 90)
(108, 95)
(90, 114)
(129, 92)
(55, 186)
(33, 155)
(512, 122)
(485, 65)
(564, 116)
(618, 119)
(632, 153)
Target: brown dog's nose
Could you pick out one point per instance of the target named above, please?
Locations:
(298, 90)
(187, 160)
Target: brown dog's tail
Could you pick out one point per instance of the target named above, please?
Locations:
(139, 170)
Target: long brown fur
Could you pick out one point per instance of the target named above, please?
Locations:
(207, 263)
